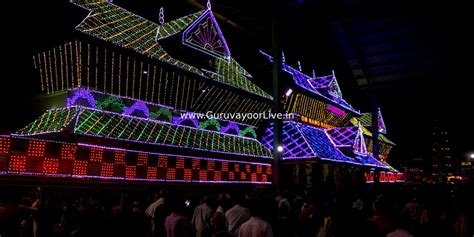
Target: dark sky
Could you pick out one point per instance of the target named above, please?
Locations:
(409, 106)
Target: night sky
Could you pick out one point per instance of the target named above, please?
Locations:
(410, 104)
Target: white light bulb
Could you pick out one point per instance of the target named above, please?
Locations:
(279, 148)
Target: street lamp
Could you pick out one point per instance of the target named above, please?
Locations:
(471, 156)
(279, 148)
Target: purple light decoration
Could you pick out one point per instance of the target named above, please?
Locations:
(137, 106)
(131, 179)
(231, 126)
(342, 136)
(305, 81)
(178, 120)
(359, 143)
(336, 111)
(288, 92)
(334, 89)
(206, 36)
(295, 145)
(165, 154)
(168, 145)
(320, 82)
(82, 94)
(381, 123)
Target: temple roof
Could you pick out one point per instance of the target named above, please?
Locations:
(366, 122)
(302, 141)
(91, 122)
(324, 87)
(112, 23)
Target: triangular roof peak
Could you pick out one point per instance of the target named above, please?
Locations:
(334, 88)
(359, 142)
(205, 35)
(381, 123)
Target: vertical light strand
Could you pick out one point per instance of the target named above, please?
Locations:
(88, 64)
(46, 73)
(173, 81)
(126, 78)
(158, 94)
(112, 74)
(140, 81)
(183, 103)
(153, 84)
(105, 70)
(55, 70)
(119, 74)
(192, 97)
(147, 80)
(96, 68)
(67, 65)
(72, 64)
(41, 71)
(62, 66)
(166, 88)
(188, 95)
(176, 93)
(133, 77)
(78, 63)
(50, 71)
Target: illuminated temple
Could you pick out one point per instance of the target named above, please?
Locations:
(120, 101)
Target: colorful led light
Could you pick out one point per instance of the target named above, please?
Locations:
(206, 36)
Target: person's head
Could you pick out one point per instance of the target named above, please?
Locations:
(256, 207)
(379, 207)
(163, 193)
(205, 200)
(177, 205)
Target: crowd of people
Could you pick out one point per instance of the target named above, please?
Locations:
(259, 212)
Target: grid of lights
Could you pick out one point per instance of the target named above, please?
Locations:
(331, 92)
(91, 161)
(314, 109)
(116, 126)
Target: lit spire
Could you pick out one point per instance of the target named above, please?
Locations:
(283, 57)
(209, 4)
(299, 66)
(161, 16)
(314, 74)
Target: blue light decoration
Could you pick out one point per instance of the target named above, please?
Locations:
(139, 106)
(206, 36)
(179, 120)
(82, 94)
(292, 139)
(303, 141)
(229, 127)
(343, 136)
(334, 89)
(359, 143)
(321, 88)
(381, 123)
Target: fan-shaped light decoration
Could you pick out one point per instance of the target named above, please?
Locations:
(206, 36)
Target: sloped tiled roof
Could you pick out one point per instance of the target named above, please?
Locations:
(304, 81)
(367, 132)
(119, 26)
(92, 122)
(302, 141)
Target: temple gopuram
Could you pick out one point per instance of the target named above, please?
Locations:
(119, 104)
